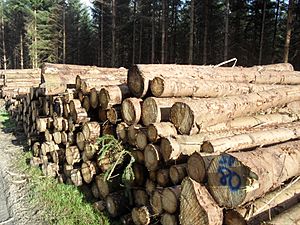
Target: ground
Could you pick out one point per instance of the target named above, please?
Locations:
(15, 204)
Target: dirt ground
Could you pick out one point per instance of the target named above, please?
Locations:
(15, 206)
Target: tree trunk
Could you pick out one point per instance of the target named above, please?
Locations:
(226, 33)
(102, 36)
(3, 37)
(288, 31)
(262, 32)
(197, 206)
(156, 131)
(275, 31)
(234, 178)
(163, 31)
(113, 30)
(191, 36)
(153, 32)
(266, 207)
(64, 34)
(204, 113)
(133, 32)
(139, 76)
(21, 52)
(251, 140)
(191, 87)
(205, 35)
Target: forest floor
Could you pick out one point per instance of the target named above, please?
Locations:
(15, 204)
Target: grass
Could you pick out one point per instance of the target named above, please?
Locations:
(60, 204)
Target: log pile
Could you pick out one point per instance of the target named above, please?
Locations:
(170, 144)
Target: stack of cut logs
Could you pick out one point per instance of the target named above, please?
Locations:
(196, 144)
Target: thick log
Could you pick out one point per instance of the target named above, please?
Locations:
(91, 130)
(235, 178)
(266, 207)
(155, 110)
(197, 165)
(156, 131)
(131, 110)
(178, 173)
(169, 219)
(204, 113)
(113, 95)
(170, 199)
(107, 186)
(290, 216)
(74, 105)
(251, 140)
(191, 87)
(252, 121)
(140, 175)
(117, 203)
(139, 76)
(197, 206)
(141, 215)
(88, 84)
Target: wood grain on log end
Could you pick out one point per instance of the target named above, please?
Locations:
(170, 199)
(182, 117)
(136, 83)
(141, 216)
(157, 86)
(131, 110)
(196, 167)
(152, 156)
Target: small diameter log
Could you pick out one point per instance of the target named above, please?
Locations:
(155, 110)
(76, 177)
(204, 113)
(178, 173)
(47, 147)
(252, 121)
(57, 137)
(117, 203)
(50, 169)
(48, 136)
(153, 157)
(36, 149)
(250, 140)
(197, 206)
(197, 166)
(113, 95)
(193, 87)
(36, 161)
(107, 186)
(94, 102)
(169, 219)
(163, 178)
(114, 115)
(80, 139)
(91, 130)
(90, 150)
(131, 110)
(140, 197)
(150, 187)
(121, 130)
(80, 116)
(86, 103)
(141, 215)
(156, 201)
(102, 115)
(88, 170)
(132, 133)
(67, 169)
(72, 155)
(158, 130)
(74, 105)
(170, 199)
(41, 124)
(64, 137)
(100, 206)
(141, 139)
(71, 138)
(266, 207)
(138, 156)
(140, 175)
(235, 178)
(290, 216)
(126, 219)
(88, 84)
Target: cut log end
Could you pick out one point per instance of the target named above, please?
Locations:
(136, 83)
(196, 167)
(141, 140)
(157, 86)
(131, 110)
(207, 147)
(152, 157)
(150, 112)
(229, 180)
(178, 173)
(170, 148)
(231, 217)
(168, 219)
(104, 98)
(170, 199)
(156, 202)
(141, 216)
(197, 206)
(182, 117)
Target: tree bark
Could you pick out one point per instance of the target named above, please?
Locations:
(191, 87)
(235, 179)
(156, 131)
(288, 31)
(264, 208)
(197, 206)
(204, 113)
